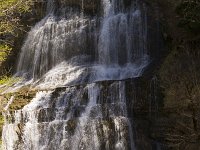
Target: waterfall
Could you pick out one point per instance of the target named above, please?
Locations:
(70, 46)
(53, 41)
(67, 56)
(73, 118)
(123, 36)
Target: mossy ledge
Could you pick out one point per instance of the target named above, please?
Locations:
(21, 98)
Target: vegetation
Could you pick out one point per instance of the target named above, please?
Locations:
(21, 98)
(8, 81)
(11, 12)
(188, 10)
(4, 51)
(180, 72)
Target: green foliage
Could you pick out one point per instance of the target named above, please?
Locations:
(10, 12)
(4, 51)
(5, 80)
(188, 10)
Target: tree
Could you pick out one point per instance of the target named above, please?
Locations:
(188, 10)
(11, 12)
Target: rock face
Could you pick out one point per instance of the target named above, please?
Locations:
(103, 115)
(90, 116)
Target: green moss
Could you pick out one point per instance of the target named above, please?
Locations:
(6, 82)
(9, 80)
(21, 100)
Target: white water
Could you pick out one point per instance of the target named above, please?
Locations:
(73, 118)
(9, 129)
(67, 74)
(123, 36)
(74, 48)
(69, 47)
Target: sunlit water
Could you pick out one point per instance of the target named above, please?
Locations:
(68, 47)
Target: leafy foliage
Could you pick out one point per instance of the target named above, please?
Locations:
(4, 51)
(11, 12)
(188, 10)
(8, 80)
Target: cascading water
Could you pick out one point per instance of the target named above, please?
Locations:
(54, 40)
(123, 36)
(73, 118)
(71, 47)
